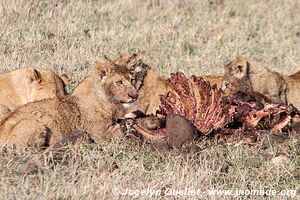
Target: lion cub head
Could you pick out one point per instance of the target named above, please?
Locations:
(136, 66)
(236, 77)
(43, 84)
(116, 82)
(22, 86)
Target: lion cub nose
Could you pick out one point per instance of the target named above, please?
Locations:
(133, 96)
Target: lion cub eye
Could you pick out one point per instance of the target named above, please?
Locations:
(240, 68)
(120, 82)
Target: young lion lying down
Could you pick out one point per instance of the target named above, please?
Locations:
(92, 107)
(28, 85)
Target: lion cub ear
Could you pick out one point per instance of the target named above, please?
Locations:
(33, 75)
(103, 67)
(133, 62)
(240, 67)
(65, 78)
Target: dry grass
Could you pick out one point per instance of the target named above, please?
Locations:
(196, 37)
(86, 173)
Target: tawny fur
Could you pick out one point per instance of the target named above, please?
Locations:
(214, 80)
(149, 83)
(28, 85)
(149, 95)
(244, 75)
(92, 107)
(293, 89)
(154, 85)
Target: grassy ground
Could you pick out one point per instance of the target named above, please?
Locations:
(193, 36)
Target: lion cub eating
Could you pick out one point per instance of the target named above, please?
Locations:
(150, 84)
(28, 85)
(247, 76)
(91, 107)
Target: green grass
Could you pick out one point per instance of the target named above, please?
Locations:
(196, 37)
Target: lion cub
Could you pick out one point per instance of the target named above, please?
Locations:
(150, 84)
(154, 85)
(92, 107)
(242, 75)
(28, 85)
(293, 89)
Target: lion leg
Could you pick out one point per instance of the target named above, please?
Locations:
(30, 133)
